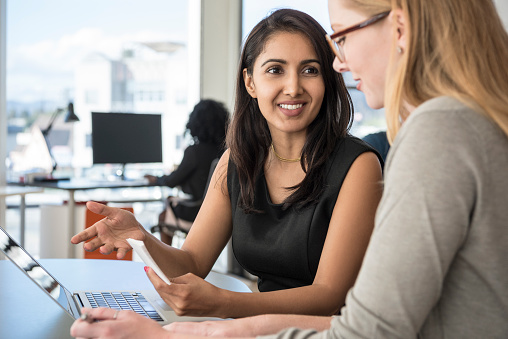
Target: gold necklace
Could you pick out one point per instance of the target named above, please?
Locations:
(284, 159)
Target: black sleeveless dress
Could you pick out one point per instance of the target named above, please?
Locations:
(283, 247)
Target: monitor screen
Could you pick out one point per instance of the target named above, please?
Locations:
(126, 138)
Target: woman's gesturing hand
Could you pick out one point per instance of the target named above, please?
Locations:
(110, 233)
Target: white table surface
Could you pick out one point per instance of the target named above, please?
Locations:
(27, 312)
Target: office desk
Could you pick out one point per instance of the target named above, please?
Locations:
(27, 312)
(6, 191)
(71, 186)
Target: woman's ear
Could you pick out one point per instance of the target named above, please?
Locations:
(249, 83)
(401, 26)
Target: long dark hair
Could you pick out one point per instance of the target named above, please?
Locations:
(248, 136)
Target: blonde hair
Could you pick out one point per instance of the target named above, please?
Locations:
(454, 48)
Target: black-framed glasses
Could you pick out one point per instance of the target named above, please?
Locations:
(336, 39)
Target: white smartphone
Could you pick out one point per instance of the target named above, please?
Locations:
(139, 247)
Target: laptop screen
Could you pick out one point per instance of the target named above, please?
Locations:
(34, 270)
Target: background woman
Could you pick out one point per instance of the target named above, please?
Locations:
(207, 126)
(295, 192)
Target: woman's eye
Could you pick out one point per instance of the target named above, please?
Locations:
(341, 41)
(311, 70)
(274, 70)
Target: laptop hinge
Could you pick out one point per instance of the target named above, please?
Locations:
(76, 295)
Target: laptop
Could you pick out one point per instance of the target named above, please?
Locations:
(147, 302)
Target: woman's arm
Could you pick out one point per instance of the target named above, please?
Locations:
(251, 326)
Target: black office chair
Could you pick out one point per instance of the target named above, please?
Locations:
(180, 225)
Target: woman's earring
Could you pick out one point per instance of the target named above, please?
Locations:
(399, 49)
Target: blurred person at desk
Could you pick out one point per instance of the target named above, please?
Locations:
(294, 191)
(207, 126)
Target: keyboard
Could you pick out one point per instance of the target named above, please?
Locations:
(123, 301)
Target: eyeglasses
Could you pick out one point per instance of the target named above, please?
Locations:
(336, 40)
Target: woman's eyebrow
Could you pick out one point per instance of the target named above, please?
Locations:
(280, 61)
(309, 61)
(284, 62)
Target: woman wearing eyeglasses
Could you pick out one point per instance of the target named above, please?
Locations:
(436, 264)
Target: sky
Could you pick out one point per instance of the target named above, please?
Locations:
(47, 39)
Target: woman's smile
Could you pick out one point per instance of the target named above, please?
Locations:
(291, 109)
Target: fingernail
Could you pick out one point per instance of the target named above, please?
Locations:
(146, 268)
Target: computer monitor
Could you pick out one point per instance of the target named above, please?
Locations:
(126, 138)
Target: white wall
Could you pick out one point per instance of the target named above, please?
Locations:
(502, 8)
(220, 43)
(221, 34)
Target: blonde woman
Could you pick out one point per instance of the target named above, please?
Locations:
(436, 263)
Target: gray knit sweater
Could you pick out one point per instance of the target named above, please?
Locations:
(437, 263)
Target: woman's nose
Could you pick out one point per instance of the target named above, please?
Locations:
(292, 86)
(339, 66)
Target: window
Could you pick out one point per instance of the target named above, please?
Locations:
(115, 55)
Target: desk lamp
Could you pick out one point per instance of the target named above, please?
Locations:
(69, 117)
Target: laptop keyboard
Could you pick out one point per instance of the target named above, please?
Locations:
(123, 301)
